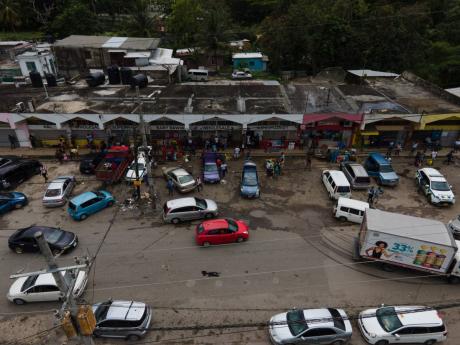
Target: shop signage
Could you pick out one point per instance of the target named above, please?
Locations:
(272, 128)
(214, 127)
(122, 126)
(167, 127)
(87, 126)
(328, 123)
(42, 126)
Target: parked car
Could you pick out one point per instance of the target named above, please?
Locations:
(15, 171)
(434, 186)
(221, 231)
(12, 200)
(454, 226)
(241, 75)
(122, 319)
(250, 186)
(183, 181)
(58, 191)
(395, 325)
(89, 162)
(350, 210)
(178, 210)
(380, 168)
(336, 184)
(210, 170)
(356, 175)
(141, 169)
(43, 288)
(83, 205)
(299, 326)
(59, 241)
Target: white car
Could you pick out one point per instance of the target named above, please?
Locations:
(58, 191)
(435, 187)
(42, 288)
(310, 326)
(241, 75)
(142, 169)
(403, 324)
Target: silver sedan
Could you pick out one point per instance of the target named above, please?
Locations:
(58, 191)
(183, 181)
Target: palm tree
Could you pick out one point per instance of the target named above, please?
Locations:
(142, 23)
(9, 14)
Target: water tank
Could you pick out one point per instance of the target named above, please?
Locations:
(139, 80)
(50, 80)
(113, 73)
(36, 79)
(126, 75)
(95, 79)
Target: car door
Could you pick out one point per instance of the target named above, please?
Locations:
(354, 215)
(227, 236)
(405, 335)
(5, 206)
(184, 213)
(319, 336)
(28, 244)
(198, 212)
(49, 292)
(108, 328)
(88, 207)
(371, 167)
(65, 189)
(326, 176)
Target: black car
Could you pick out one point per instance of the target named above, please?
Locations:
(14, 171)
(59, 241)
(89, 162)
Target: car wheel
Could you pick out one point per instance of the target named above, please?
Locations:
(430, 342)
(175, 221)
(382, 342)
(110, 203)
(18, 250)
(338, 342)
(453, 280)
(133, 337)
(208, 215)
(83, 216)
(240, 239)
(18, 206)
(343, 219)
(19, 301)
(206, 244)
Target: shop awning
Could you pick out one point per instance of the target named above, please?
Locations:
(309, 118)
(437, 117)
(369, 133)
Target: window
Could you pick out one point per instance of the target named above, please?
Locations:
(327, 174)
(48, 288)
(89, 203)
(201, 203)
(388, 319)
(350, 170)
(405, 331)
(31, 67)
(344, 209)
(251, 63)
(338, 320)
(437, 329)
(52, 192)
(30, 281)
(200, 229)
(332, 184)
(419, 330)
(73, 207)
(343, 189)
(320, 332)
(111, 323)
(183, 209)
(354, 211)
(296, 322)
(214, 232)
(232, 226)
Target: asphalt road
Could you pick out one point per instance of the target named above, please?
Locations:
(297, 256)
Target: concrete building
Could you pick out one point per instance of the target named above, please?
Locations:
(256, 62)
(37, 61)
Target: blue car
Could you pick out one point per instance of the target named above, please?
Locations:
(380, 168)
(210, 170)
(9, 201)
(250, 187)
(88, 203)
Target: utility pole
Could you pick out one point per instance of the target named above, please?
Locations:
(66, 285)
(145, 149)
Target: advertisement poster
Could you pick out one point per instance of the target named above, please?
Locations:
(407, 252)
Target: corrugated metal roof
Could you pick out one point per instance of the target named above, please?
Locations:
(422, 229)
(455, 91)
(247, 56)
(371, 73)
(134, 43)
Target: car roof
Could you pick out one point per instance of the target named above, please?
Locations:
(79, 199)
(339, 177)
(423, 317)
(180, 172)
(249, 164)
(215, 224)
(357, 168)
(316, 315)
(361, 205)
(379, 158)
(181, 202)
(125, 310)
(31, 230)
(431, 172)
(45, 279)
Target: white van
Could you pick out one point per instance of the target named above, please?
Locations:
(198, 74)
(350, 210)
(336, 184)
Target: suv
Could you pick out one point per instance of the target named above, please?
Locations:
(380, 168)
(394, 325)
(434, 186)
(122, 319)
(178, 210)
(356, 175)
(14, 172)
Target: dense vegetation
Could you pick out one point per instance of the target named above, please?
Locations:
(420, 35)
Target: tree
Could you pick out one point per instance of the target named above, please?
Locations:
(76, 18)
(9, 14)
(184, 22)
(142, 23)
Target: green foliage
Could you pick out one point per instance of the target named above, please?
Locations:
(184, 23)
(75, 19)
(141, 23)
(10, 17)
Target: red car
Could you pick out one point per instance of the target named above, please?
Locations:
(221, 231)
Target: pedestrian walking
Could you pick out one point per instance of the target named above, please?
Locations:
(170, 186)
(450, 157)
(12, 141)
(44, 172)
(59, 155)
(398, 149)
(377, 193)
(248, 154)
(414, 147)
(199, 184)
(308, 161)
(277, 169)
(236, 153)
(434, 154)
(223, 169)
(370, 196)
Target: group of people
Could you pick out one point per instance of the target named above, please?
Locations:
(274, 167)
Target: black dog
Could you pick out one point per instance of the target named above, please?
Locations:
(210, 274)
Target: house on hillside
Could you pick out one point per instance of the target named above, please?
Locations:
(256, 62)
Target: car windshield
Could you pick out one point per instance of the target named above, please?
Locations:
(99, 194)
(185, 179)
(140, 166)
(6, 196)
(201, 203)
(441, 186)
(296, 322)
(343, 189)
(53, 192)
(102, 309)
(388, 319)
(72, 206)
(210, 167)
(30, 281)
(232, 226)
(386, 168)
(53, 236)
(250, 178)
